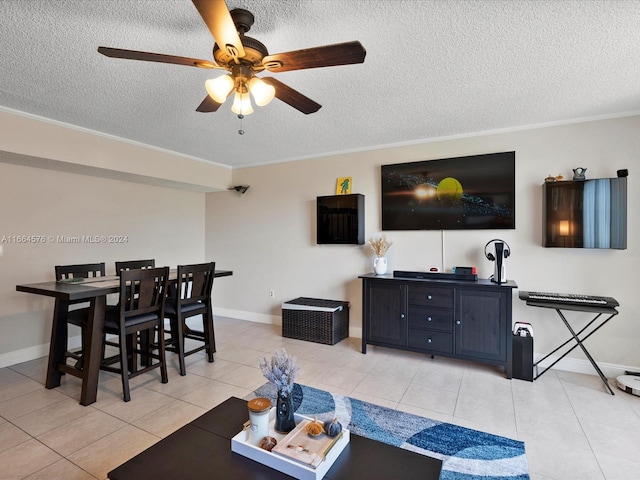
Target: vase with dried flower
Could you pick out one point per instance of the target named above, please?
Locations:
(281, 371)
(380, 247)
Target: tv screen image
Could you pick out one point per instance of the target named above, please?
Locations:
(473, 192)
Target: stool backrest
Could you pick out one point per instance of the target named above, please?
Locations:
(134, 265)
(143, 291)
(195, 283)
(84, 270)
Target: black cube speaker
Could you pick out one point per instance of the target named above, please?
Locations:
(523, 358)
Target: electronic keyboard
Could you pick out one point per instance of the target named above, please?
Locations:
(569, 299)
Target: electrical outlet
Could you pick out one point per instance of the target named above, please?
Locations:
(272, 294)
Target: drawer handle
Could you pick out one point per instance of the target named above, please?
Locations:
(428, 340)
(429, 319)
(457, 322)
(429, 297)
(402, 315)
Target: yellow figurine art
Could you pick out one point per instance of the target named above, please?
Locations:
(343, 186)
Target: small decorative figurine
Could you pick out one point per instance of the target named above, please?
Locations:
(578, 173)
(267, 443)
(551, 179)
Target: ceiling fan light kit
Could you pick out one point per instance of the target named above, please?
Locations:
(241, 104)
(243, 57)
(262, 92)
(219, 88)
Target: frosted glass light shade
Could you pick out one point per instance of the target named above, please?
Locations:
(242, 104)
(262, 92)
(219, 88)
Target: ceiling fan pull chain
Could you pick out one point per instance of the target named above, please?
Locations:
(241, 131)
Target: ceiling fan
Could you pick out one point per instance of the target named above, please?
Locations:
(243, 57)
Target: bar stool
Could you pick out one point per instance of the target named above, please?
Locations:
(143, 294)
(190, 297)
(77, 312)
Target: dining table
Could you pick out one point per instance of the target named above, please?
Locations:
(94, 291)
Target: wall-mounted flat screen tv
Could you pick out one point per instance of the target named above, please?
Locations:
(474, 192)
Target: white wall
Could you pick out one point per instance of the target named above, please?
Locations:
(161, 223)
(57, 146)
(267, 235)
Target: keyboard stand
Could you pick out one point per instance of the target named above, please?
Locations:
(599, 311)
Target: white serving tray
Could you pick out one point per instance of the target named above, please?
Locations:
(297, 470)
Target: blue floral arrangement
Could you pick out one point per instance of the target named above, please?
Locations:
(281, 371)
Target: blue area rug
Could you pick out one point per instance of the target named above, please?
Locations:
(466, 454)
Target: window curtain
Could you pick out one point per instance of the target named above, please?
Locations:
(597, 214)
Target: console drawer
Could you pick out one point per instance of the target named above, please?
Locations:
(433, 318)
(430, 296)
(431, 340)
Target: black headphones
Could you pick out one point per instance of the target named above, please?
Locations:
(505, 253)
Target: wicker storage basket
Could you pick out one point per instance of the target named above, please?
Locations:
(315, 320)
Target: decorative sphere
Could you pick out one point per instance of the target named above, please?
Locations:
(332, 427)
(449, 190)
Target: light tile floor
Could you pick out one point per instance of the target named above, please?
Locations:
(571, 427)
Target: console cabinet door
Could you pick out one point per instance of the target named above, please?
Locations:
(481, 317)
(387, 317)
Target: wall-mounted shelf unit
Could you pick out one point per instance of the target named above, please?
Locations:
(340, 219)
(585, 213)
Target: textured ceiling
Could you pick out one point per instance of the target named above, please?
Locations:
(433, 69)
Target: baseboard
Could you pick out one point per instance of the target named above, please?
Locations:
(355, 332)
(577, 365)
(249, 316)
(24, 355)
(31, 353)
(271, 319)
(567, 364)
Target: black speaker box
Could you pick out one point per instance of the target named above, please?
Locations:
(523, 358)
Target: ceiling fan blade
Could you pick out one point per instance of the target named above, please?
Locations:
(156, 57)
(327, 56)
(292, 97)
(218, 19)
(208, 105)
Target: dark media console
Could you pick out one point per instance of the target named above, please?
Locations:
(439, 314)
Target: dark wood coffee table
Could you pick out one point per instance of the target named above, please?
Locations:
(202, 450)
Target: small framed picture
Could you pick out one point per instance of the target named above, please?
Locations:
(343, 186)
